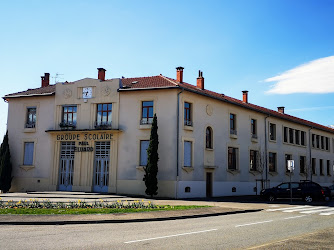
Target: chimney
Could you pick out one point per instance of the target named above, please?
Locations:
(280, 109)
(45, 79)
(200, 80)
(179, 74)
(245, 96)
(102, 74)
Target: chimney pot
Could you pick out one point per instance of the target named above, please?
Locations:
(45, 80)
(101, 74)
(245, 96)
(200, 80)
(179, 74)
(280, 109)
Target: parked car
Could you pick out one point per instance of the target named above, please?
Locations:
(331, 188)
(306, 190)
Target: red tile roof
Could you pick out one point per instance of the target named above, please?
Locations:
(162, 81)
(49, 90)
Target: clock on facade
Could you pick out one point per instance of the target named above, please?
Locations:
(87, 92)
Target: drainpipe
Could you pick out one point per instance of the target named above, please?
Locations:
(310, 153)
(265, 149)
(177, 140)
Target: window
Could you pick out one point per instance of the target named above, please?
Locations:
(31, 117)
(302, 164)
(327, 143)
(69, 116)
(321, 167)
(287, 157)
(313, 140)
(322, 142)
(313, 166)
(147, 113)
(28, 153)
(143, 152)
(187, 154)
(290, 135)
(328, 167)
(233, 128)
(297, 133)
(253, 128)
(208, 138)
(317, 140)
(187, 114)
(272, 162)
(302, 138)
(103, 117)
(285, 135)
(232, 158)
(272, 130)
(253, 155)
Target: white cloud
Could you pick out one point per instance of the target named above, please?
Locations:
(313, 77)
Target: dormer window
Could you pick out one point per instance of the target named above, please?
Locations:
(31, 117)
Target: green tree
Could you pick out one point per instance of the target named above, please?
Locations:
(151, 169)
(5, 165)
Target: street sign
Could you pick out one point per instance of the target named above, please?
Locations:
(291, 165)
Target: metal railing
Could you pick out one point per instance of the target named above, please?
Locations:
(233, 132)
(30, 125)
(188, 123)
(67, 125)
(146, 121)
(102, 125)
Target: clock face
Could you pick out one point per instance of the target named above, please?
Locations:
(87, 92)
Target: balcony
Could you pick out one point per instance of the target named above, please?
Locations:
(102, 125)
(67, 125)
(146, 121)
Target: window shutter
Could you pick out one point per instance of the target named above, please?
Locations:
(28, 153)
(187, 153)
(143, 152)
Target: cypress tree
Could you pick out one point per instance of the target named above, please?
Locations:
(5, 166)
(151, 169)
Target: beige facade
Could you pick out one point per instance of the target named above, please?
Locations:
(209, 145)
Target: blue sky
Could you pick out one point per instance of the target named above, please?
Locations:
(282, 52)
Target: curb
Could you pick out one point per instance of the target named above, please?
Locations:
(72, 222)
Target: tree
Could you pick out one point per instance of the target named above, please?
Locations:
(5, 166)
(151, 169)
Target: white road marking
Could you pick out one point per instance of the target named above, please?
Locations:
(330, 213)
(317, 211)
(249, 224)
(294, 217)
(285, 208)
(302, 209)
(169, 236)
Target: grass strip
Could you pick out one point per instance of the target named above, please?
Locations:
(42, 211)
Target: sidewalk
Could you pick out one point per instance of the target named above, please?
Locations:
(217, 208)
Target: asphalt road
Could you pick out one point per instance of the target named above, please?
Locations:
(220, 232)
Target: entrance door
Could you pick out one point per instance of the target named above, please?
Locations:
(101, 167)
(208, 184)
(66, 166)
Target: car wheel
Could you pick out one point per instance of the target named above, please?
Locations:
(308, 198)
(271, 197)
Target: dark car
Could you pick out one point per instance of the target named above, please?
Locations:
(331, 188)
(306, 190)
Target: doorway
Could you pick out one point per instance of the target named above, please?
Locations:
(66, 166)
(101, 167)
(208, 184)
